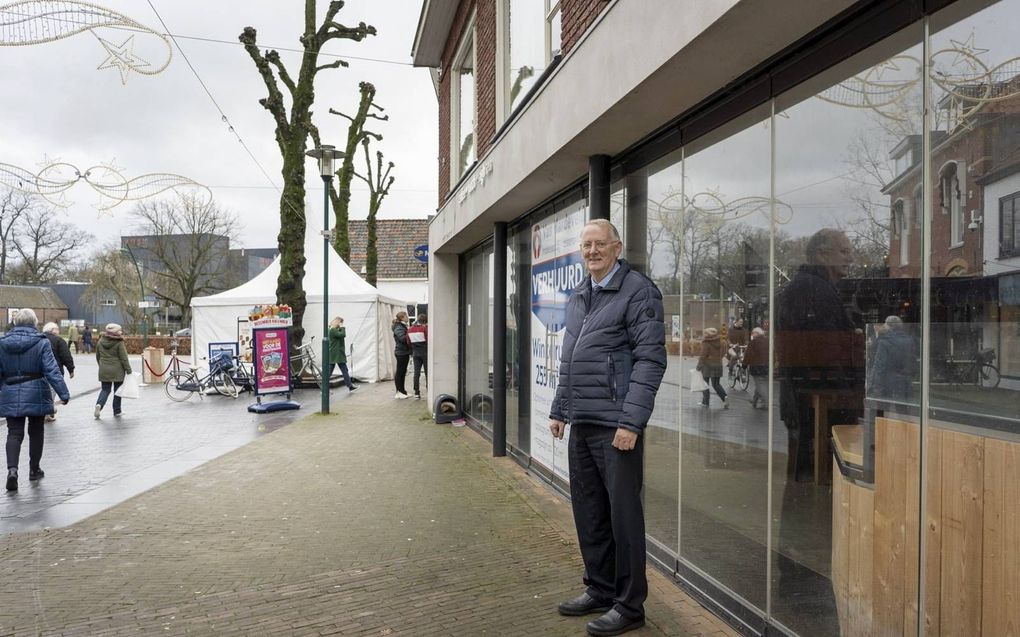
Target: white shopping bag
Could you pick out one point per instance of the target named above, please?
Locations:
(698, 381)
(129, 388)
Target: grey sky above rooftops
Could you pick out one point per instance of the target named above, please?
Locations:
(59, 106)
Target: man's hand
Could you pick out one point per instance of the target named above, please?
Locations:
(556, 427)
(625, 439)
(63, 402)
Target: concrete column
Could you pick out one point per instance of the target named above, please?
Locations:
(444, 327)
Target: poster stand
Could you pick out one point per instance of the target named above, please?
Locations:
(271, 358)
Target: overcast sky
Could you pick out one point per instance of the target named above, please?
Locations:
(57, 105)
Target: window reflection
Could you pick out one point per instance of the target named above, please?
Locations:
(477, 378)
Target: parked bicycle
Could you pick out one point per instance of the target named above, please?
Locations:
(304, 366)
(981, 371)
(182, 385)
(243, 374)
(737, 369)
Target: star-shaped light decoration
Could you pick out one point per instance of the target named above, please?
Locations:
(121, 57)
(966, 51)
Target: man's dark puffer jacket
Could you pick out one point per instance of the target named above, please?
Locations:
(614, 353)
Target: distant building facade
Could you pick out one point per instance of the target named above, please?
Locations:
(402, 271)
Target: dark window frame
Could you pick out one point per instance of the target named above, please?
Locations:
(1014, 249)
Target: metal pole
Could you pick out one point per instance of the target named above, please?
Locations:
(326, 185)
(499, 340)
(598, 186)
(141, 288)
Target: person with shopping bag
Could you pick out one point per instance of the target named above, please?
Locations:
(111, 353)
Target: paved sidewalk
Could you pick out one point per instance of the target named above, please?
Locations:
(369, 521)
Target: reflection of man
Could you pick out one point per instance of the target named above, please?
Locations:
(817, 343)
(611, 364)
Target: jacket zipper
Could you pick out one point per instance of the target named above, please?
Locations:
(612, 377)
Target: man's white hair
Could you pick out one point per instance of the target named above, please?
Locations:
(25, 317)
(605, 224)
(51, 328)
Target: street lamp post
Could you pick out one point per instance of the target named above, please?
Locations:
(325, 155)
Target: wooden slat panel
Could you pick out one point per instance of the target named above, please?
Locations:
(840, 546)
(912, 525)
(891, 444)
(1001, 572)
(860, 569)
(962, 536)
(933, 533)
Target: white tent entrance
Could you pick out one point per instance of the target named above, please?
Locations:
(367, 314)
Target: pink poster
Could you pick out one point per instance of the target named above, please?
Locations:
(272, 363)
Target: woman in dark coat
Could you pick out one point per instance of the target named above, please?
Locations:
(113, 366)
(338, 352)
(62, 352)
(28, 370)
(402, 350)
(710, 365)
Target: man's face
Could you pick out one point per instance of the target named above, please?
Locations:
(837, 257)
(599, 250)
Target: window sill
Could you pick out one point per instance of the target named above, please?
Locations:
(954, 246)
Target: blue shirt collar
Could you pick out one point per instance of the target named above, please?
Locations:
(609, 277)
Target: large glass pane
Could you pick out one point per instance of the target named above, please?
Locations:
(720, 218)
(972, 480)
(518, 330)
(466, 107)
(527, 47)
(846, 311)
(478, 336)
(646, 195)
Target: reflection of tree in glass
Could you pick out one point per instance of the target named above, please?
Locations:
(524, 73)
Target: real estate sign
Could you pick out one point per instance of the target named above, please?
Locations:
(556, 269)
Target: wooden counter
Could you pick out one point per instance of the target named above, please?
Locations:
(971, 531)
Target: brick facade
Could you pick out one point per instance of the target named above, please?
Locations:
(577, 16)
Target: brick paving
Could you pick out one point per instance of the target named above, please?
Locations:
(369, 521)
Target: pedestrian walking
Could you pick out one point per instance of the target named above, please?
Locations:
(86, 338)
(72, 339)
(113, 366)
(756, 357)
(418, 337)
(711, 367)
(402, 350)
(612, 362)
(338, 352)
(62, 352)
(28, 370)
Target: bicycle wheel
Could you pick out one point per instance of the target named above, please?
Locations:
(179, 386)
(988, 376)
(316, 374)
(742, 378)
(224, 385)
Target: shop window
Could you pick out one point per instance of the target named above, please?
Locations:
(1009, 225)
(463, 142)
(952, 181)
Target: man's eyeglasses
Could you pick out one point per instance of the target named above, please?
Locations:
(598, 245)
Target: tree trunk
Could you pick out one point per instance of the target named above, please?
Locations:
(371, 251)
(291, 240)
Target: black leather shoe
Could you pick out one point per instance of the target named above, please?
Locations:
(35, 474)
(584, 605)
(613, 623)
(12, 479)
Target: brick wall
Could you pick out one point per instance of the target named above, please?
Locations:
(577, 16)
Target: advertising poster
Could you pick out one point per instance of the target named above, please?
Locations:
(557, 268)
(272, 361)
(215, 349)
(244, 338)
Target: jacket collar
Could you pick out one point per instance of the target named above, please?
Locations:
(613, 284)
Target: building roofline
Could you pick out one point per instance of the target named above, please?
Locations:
(433, 31)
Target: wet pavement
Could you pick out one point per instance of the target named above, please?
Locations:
(369, 521)
(94, 464)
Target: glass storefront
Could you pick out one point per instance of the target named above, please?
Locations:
(840, 266)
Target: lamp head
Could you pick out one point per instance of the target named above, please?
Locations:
(326, 155)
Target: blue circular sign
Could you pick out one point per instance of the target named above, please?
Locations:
(422, 253)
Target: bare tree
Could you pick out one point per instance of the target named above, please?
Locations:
(379, 183)
(340, 196)
(111, 275)
(187, 247)
(293, 127)
(46, 245)
(13, 205)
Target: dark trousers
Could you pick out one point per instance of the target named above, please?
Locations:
(605, 493)
(343, 370)
(104, 393)
(15, 436)
(714, 380)
(401, 374)
(420, 365)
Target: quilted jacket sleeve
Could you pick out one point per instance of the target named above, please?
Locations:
(647, 333)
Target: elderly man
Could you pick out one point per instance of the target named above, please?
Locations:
(611, 364)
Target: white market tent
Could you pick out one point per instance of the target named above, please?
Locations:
(367, 314)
